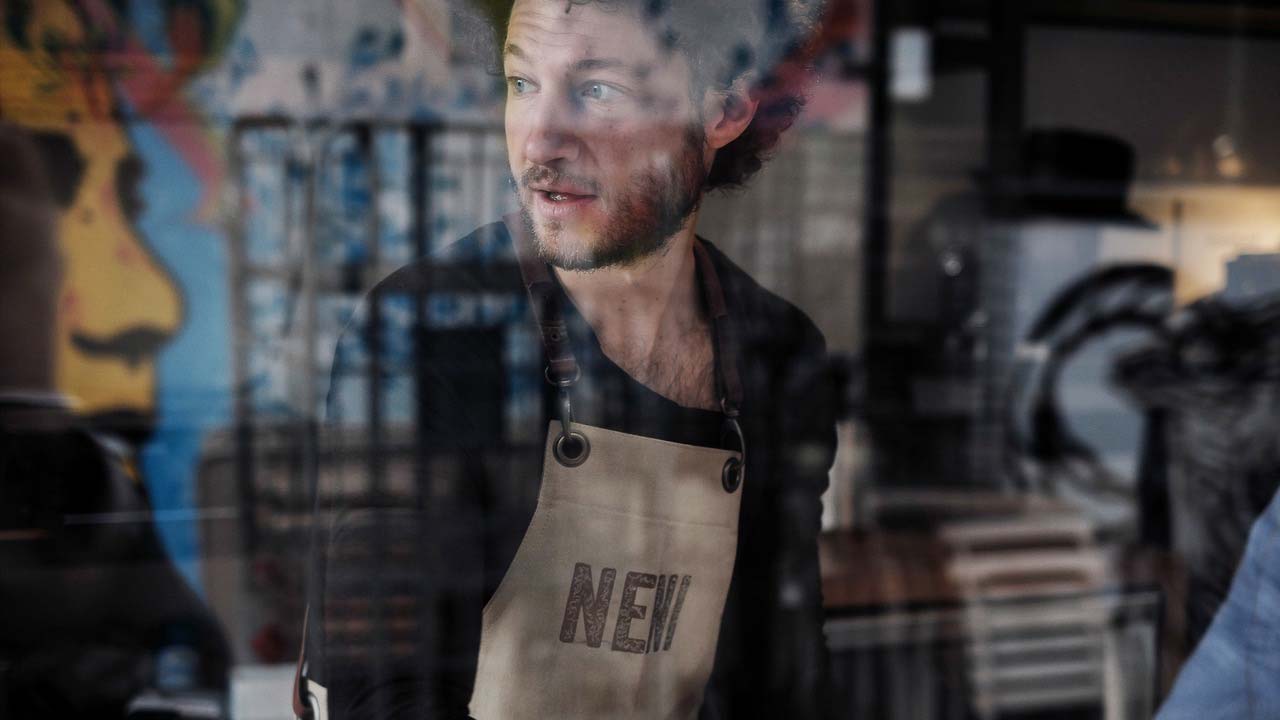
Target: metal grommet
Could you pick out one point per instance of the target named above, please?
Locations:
(571, 449)
(577, 375)
(731, 475)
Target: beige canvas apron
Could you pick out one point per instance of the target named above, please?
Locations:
(611, 607)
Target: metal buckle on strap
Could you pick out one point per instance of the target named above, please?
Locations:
(562, 382)
(572, 447)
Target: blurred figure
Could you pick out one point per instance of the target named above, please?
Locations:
(92, 613)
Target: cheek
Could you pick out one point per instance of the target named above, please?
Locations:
(665, 111)
(652, 150)
(630, 141)
(515, 160)
(515, 137)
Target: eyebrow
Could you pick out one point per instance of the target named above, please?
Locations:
(586, 64)
(600, 64)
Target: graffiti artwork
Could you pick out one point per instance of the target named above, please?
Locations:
(77, 74)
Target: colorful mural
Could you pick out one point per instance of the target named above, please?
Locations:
(100, 83)
(79, 75)
(131, 102)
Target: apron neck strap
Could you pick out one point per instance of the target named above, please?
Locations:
(723, 344)
(562, 368)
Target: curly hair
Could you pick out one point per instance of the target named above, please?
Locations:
(765, 41)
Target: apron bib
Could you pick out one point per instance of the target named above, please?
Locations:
(612, 604)
(611, 607)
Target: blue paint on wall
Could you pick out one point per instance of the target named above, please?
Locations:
(193, 372)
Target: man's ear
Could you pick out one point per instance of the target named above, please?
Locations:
(728, 113)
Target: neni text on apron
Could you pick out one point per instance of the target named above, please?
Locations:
(612, 604)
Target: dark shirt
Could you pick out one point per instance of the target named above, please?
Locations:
(418, 529)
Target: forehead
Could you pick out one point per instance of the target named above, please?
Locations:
(560, 32)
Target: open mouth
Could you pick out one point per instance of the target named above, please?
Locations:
(132, 345)
(562, 197)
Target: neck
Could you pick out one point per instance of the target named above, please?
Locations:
(637, 304)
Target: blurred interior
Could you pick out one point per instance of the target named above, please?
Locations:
(1042, 239)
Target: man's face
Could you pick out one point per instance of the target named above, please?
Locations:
(604, 139)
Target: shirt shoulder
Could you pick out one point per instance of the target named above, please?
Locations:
(482, 260)
(764, 321)
(449, 294)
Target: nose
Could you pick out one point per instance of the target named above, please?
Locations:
(551, 134)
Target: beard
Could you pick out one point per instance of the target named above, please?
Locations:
(642, 219)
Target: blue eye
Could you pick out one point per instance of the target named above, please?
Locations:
(518, 85)
(599, 91)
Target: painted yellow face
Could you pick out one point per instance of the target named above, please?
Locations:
(117, 305)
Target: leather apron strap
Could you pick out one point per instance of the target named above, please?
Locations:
(301, 710)
(562, 369)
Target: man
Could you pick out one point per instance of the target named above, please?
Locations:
(688, 433)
